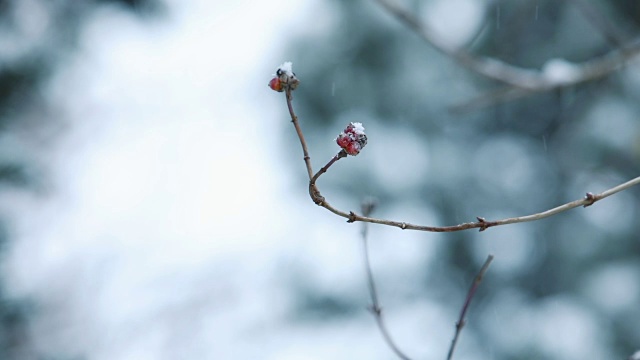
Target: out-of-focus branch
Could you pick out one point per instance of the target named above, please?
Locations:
(463, 312)
(503, 94)
(608, 30)
(375, 308)
(527, 79)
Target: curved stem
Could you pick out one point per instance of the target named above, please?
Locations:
(482, 224)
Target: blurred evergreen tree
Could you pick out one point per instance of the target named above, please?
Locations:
(513, 158)
(35, 38)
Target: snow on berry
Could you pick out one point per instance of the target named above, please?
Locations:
(286, 68)
(352, 139)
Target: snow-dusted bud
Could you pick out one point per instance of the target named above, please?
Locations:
(352, 139)
(283, 78)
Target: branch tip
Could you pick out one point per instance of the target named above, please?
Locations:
(352, 139)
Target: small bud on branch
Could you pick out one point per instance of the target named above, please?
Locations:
(284, 78)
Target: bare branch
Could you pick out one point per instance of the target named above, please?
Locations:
(482, 224)
(324, 169)
(528, 79)
(296, 124)
(375, 308)
(472, 291)
(501, 95)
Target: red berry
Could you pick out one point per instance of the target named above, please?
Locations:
(276, 85)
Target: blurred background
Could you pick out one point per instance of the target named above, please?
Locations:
(153, 197)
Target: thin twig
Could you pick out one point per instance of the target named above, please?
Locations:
(375, 308)
(314, 192)
(296, 124)
(529, 79)
(472, 290)
(482, 224)
(324, 169)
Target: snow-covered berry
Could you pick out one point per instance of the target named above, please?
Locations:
(352, 139)
(284, 78)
